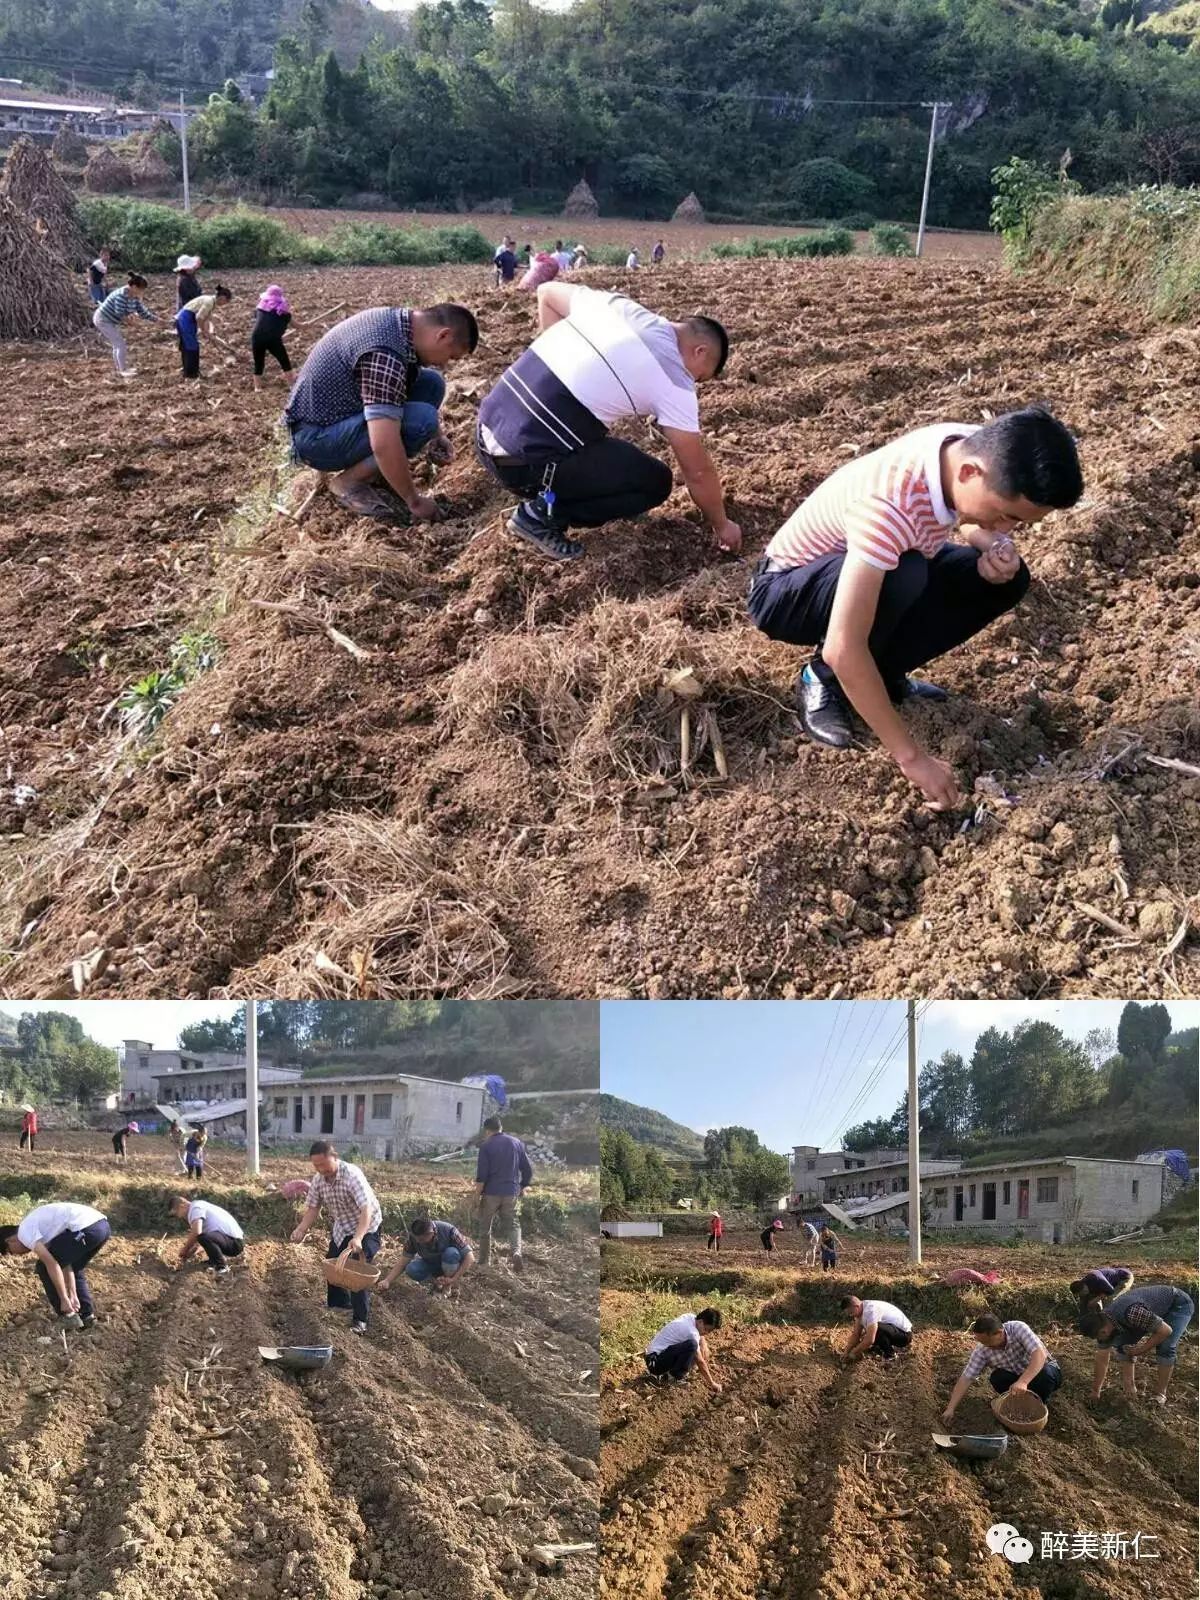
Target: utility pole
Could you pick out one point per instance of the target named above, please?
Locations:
(187, 193)
(934, 110)
(252, 1162)
(914, 1141)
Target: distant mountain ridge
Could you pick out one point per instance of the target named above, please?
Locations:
(650, 1127)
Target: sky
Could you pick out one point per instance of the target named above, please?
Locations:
(110, 1022)
(792, 1069)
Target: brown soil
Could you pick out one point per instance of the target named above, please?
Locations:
(491, 805)
(776, 1486)
(132, 1471)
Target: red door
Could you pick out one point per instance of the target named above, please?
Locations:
(360, 1115)
(1022, 1197)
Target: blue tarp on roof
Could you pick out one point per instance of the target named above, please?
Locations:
(1175, 1159)
(492, 1083)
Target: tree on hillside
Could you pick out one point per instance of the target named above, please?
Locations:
(57, 1061)
(762, 1177)
(1142, 1032)
(226, 1034)
(947, 1108)
(874, 1134)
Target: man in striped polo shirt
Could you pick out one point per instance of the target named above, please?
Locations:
(1013, 1356)
(864, 570)
(368, 398)
(544, 429)
(355, 1222)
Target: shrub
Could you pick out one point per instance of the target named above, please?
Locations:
(375, 244)
(890, 239)
(826, 188)
(828, 242)
(857, 221)
(243, 238)
(1143, 247)
(143, 237)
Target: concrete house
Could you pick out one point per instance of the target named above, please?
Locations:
(207, 1084)
(1057, 1199)
(141, 1066)
(809, 1164)
(872, 1182)
(392, 1115)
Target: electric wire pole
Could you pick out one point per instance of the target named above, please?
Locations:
(187, 193)
(935, 109)
(914, 1141)
(252, 1162)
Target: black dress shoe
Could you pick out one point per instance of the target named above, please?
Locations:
(902, 689)
(824, 710)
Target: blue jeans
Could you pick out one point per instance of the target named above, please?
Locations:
(1177, 1318)
(420, 1271)
(96, 294)
(346, 443)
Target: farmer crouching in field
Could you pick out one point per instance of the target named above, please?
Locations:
(210, 1228)
(355, 1222)
(368, 399)
(64, 1237)
(680, 1345)
(502, 1175)
(1099, 1284)
(880, 1328)
(435, 1253)
(864, 571)
(1138, 1323)
(1015, 1358)
(543, 429)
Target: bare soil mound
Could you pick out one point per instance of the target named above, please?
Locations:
(494, 803)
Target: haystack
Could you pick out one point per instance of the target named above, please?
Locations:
(152, 171)
(581, 202)
(70, 148)
(107, 173)
(34, 187)
(689, 210)
(39, 299)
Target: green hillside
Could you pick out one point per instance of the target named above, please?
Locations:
(650, 1127)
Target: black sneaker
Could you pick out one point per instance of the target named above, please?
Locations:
(86, 1321)
(902, 689)
(530, 521)
(824, 710)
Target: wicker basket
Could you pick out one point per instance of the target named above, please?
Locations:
(1020, 1411)
(351, 1273)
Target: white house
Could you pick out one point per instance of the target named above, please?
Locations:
(211, 1082)
(1057, 1199)
(809, 1164)
(394, 1114)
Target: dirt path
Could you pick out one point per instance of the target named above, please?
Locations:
(493, 805)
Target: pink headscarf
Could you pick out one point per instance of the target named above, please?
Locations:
(274, 299)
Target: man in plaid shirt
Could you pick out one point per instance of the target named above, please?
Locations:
(1013, 1355)
(1141, 1322)
(369, 397)
(355, 1222)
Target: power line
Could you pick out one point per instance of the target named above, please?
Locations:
(837, 1012)
(881, 1067)
(864, 1045)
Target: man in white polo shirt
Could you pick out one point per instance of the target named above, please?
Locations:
(544, 428)
(64, 1237)
(879, 1326)
(211, 1229)
(680, 1345)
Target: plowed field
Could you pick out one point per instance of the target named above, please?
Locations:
(158, 1456)
(492, 803)
(808, 1479)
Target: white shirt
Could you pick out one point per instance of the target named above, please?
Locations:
(631, 261)
(682, 1330)
(618, 359)
(564, 259)
(44, 1223)
(213, 1219)
(874, 1311)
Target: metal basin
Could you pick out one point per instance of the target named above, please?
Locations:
(298, 1357)
(972, 1446)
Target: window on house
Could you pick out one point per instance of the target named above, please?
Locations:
(810, 1166)
(1007, 1192)
(940, 1197)
(381, 1107)
(279, 1108)
(1047, 1191)
(458, 1111)
(144, 1063)
(312, 1105)
(342, 1112)
(971, 1196)
(1135, 1182)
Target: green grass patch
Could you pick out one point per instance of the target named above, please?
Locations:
(626, 1336)
(890, 239)
(828, 242)
(1142, 247)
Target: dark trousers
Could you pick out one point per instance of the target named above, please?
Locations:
(337, 1298)
(603, 482)
(189, 356)
(217, 1246)
(768, 1239)
(120, 1143)
(27, 1139)
(889, 1339)
(926, 606)
(714, 1240)
(74, 1250)
(828, 1258)
(676, 1361)
(1047, 1381)
(262, 348)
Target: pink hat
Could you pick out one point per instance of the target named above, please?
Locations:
(273, 299)
(777, 1223)
(133, 1128)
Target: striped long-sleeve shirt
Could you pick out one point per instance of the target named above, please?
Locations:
(122, 303)
(876, 508)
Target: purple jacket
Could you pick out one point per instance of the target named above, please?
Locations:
(503, 1167)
